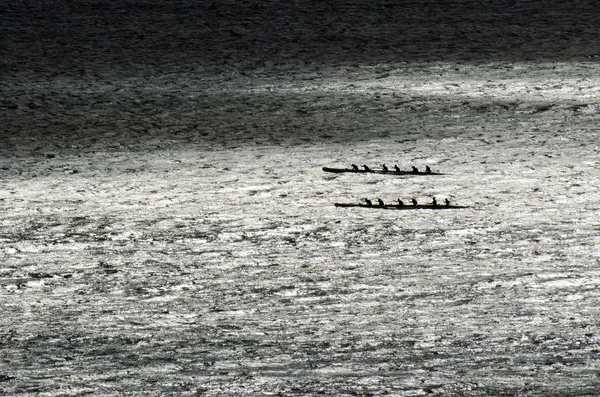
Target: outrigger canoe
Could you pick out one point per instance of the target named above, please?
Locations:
(370, 171)
(400, 207)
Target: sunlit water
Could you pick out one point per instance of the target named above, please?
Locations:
(198, 249)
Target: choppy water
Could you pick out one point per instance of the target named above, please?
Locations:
(173, 234)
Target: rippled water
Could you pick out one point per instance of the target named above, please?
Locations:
(174, 234)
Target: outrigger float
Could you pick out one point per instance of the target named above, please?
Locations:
(383, 171)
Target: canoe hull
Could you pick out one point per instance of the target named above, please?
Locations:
(400, 207)
(391, 172)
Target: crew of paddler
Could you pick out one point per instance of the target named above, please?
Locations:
(384, 168)
(399, 203)
(413, 201)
